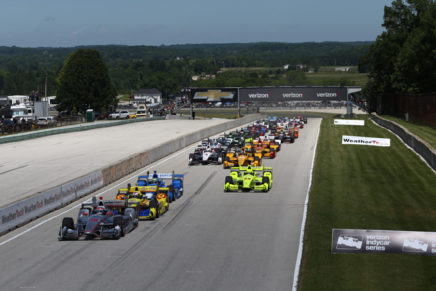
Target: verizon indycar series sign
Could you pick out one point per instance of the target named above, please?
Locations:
(349, 122)
(346, 241)
(370, 141)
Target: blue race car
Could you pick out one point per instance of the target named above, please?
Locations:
(161, 180)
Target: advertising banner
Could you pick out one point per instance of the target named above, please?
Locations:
(27, 209)
(283, 94)
(349, 122)
(370, 141)
(346, 241)
(214, 95)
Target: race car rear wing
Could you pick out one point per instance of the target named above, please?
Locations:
(106, 203)
(256, 169)
(162, 176)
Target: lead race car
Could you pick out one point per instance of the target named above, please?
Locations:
(105, 219)
(249, 178)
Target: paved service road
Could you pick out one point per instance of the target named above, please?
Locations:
(31, 166)
(209, 239)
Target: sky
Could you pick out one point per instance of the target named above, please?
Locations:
(69, 23)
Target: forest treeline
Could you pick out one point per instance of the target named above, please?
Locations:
(169, 68)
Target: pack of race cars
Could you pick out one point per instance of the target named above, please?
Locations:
(241, 151)
(112, 219)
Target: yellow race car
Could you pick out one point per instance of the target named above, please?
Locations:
(151, 201)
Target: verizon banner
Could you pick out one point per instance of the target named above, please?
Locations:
(370, 141)
(282, 94)
(349, 122)
(346, 241)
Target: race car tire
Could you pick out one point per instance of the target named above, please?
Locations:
(174, 193)
(191, 158)
(220, 160)
(68, 222)
(228, 180)
(265, 180)
(154, 204)
(118, 220)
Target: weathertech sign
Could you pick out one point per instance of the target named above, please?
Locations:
(283, 94)
(346, 241)
(370, 141)
(348, 122)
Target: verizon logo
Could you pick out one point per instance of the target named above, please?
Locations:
(326, 94)
(292, 95)
(258, 95)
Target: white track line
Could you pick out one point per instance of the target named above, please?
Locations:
(303, 222)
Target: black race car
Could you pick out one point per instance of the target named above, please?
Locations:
(105, 219)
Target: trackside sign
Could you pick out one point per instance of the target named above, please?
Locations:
(349, 122)
(346, 241)
(370, 141)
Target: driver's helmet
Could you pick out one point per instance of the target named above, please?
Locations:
(249, 169)
(100, 210)
(135, 195)
(154, 180)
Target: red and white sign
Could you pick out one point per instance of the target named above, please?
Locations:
(349, 122)
(370, 141)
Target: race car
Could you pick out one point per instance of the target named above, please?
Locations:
(105, 219)
(174, 182)
(264, 152)
(157, 200)
(207, 156)
(249, 179)
(150, 201)
(237, 157)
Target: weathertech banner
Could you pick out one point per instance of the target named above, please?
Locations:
(370, 141)
(345, 241)
(349, 122)
(283, 94)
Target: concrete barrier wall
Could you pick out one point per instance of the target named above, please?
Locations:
(417, 144)
(24, 211)
(19, 213)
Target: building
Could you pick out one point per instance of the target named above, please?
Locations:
(150, 97)
(342, 69)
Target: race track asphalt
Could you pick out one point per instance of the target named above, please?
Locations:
(209, 239)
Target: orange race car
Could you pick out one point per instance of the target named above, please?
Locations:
(237, 158)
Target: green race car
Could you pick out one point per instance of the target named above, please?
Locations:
(249, 178)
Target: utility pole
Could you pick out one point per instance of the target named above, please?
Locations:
(45, 91)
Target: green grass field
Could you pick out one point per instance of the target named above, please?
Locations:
(426, 133)
(364, 187)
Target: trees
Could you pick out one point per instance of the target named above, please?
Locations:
(84, 83)
(403, 58)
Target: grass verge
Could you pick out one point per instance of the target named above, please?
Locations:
(364, 187)
(426, 133)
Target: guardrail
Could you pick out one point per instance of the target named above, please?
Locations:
(19, 213)
(417, 144)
